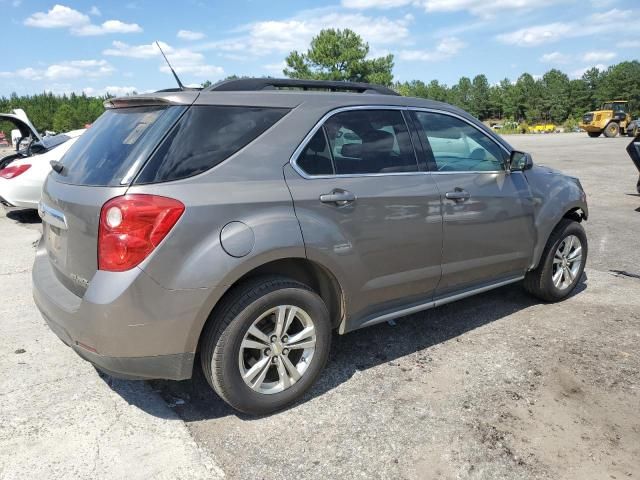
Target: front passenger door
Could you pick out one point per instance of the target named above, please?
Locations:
(488, 224)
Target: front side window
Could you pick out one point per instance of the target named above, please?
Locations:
(359, 142)
(458, 146)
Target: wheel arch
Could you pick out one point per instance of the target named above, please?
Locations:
(575, 212)
(301, 269)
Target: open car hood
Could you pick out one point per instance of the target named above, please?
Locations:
(19, 118)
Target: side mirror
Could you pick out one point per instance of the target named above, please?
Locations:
(520, 161)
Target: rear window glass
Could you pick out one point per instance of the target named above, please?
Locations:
(107, 153)
(204, 137)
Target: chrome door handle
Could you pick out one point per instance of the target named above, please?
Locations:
(458, 195)
(339, 197)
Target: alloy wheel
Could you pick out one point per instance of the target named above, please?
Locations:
(277, 349)
(567, 261)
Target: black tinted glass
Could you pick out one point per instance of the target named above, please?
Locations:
(370, 141)
(107, 151)
(204, 137)
(316, 157)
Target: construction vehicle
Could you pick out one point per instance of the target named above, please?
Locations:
(611, 119)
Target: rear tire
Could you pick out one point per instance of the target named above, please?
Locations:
(543, 281)
(612, 130)
(229, 352)
(594, 134)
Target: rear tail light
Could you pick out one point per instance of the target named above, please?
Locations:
(130, 228)
(14, 171)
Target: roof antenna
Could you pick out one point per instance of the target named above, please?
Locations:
(175, 75)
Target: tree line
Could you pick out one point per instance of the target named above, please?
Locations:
(554, 97)
(344, 55)
(59, 113)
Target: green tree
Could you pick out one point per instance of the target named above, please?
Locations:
(621, 81)
(64, 118)
(555, 96)
(480, 100)
(339, 55)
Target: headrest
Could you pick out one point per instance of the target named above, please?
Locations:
(379, 140)
(353, 150)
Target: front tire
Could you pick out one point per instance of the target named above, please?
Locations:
(266, 344)
(561, 265)
(594, 134)
(612, 130)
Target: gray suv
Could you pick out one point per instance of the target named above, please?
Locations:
(242, 223)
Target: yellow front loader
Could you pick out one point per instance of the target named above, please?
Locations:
(611, 119)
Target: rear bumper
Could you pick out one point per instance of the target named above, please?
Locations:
(125, 324)
(171, 367)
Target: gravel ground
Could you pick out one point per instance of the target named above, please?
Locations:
(497, 386)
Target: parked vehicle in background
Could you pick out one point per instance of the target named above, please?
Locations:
(611, 119)
(633, 129)
(246, 221)
(22, 178)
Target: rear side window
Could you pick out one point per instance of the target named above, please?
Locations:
(204, 137)
(361, 142)
(118, 141)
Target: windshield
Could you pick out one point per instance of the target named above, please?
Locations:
(109, 153)
(47, 143)
(616, 107)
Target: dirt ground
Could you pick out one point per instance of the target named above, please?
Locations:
(497, 386)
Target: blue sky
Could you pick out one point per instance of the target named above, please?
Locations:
(95, 46)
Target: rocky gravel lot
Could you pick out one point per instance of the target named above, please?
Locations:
(497, 386)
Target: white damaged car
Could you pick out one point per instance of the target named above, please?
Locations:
(23, 172)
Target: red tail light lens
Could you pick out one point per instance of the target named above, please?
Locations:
(14, 171)
(130, 228)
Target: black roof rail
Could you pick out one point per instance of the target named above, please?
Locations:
(255, 84)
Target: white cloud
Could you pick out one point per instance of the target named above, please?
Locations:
(110, 26)
(111, 90)
(275, 68)
(598, 56)
(183, 60)
(95, 11)
(383, 4)
(60, 16)
(556, 58)
(482, 7)
(600, 23)
(295, 33)
(581, 71)
(190, 35)
(629, 44)
(446, 48)
(64, 71)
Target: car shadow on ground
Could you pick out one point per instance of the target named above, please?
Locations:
(24, 216)
(193, 400)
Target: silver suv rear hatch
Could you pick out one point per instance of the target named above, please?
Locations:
(98, 167)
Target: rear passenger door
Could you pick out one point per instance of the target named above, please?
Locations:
(368, 210)
(488, 223)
